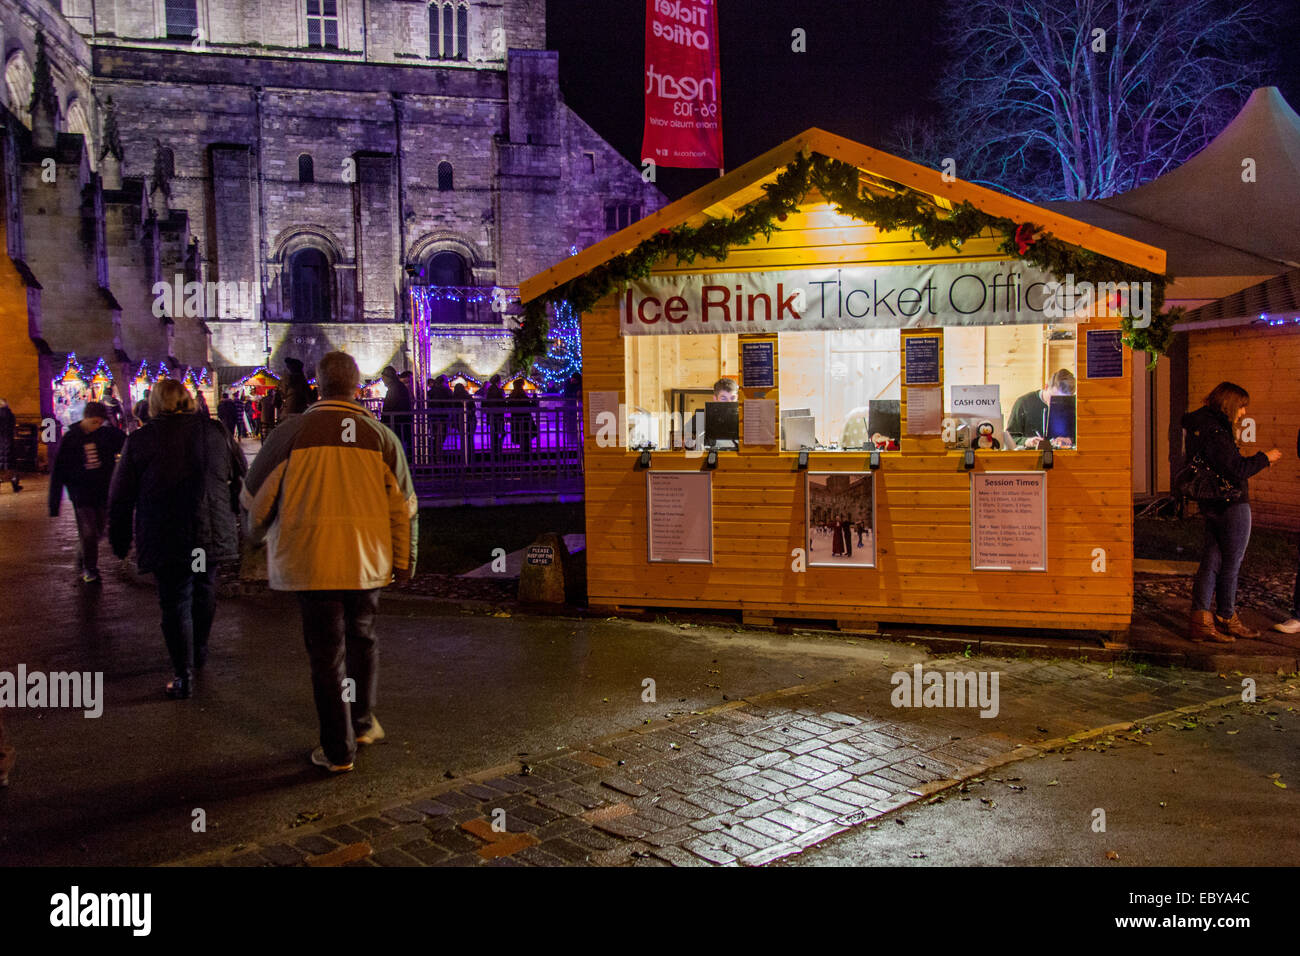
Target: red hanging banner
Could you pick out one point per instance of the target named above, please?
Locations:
(683, 121)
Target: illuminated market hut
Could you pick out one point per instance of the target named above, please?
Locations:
(258, 382)
(100, 379)
(141, 383)
(861, 304)
(71, 391)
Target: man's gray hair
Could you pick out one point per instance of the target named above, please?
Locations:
(337, 376)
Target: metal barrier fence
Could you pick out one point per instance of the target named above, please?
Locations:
(462, 452)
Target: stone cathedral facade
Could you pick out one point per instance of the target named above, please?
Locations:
(287, 170)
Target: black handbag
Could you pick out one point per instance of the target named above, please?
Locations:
(1198, 481)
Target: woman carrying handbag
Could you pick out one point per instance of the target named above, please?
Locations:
(1217, 476)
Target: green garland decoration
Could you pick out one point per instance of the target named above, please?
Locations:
(837, 181)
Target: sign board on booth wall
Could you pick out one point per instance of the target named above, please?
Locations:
(679, 512)
(758, 364)
(921, 360)
(1105, 353)
(1009, 521)
(683, 114)
(977, 401)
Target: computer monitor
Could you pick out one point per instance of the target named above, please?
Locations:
(787, 413)
(1061, 417)
(800, 432)
(722, 425)
(884, 417)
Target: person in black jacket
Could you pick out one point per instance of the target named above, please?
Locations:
(523, 426)
(1227, 523)
(397, 407)
(297, 390)
(8, 425)
(176, 489)
(492, 401)
(116, 416)
(84, 464)
(228, 412)
(1292, 624)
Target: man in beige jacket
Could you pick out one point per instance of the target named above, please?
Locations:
(332, 492)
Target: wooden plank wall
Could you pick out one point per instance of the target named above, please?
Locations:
(922, 506)
(1265, 361)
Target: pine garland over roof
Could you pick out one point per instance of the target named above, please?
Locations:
(838, 183)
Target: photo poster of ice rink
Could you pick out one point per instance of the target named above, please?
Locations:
(841, 519)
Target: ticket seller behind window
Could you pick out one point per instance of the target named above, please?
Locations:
(1030, 423)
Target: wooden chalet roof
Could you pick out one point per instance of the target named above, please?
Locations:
(744, 184)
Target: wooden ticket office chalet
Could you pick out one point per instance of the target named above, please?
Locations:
(846, 340)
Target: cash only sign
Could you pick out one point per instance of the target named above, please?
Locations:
(862, 297)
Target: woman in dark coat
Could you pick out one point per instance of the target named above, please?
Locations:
(7, 429)
(468, 419)
(176, 491)
(297, 390)
(1210, 438)
(523, 427)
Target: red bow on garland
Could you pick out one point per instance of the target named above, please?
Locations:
(1026, 237)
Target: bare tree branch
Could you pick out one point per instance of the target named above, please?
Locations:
(1040, 103)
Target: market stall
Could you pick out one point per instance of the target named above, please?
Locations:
(71, 390)
(920, 425)
(256, 383)
(141, 384)
(373, 389)
(530, 387)
(472, 385)
(198, 382)
(101, 379)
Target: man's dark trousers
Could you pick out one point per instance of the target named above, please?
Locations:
(189, 604)
(91, 522)
(338, 628)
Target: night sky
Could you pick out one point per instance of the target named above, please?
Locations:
(868, 63)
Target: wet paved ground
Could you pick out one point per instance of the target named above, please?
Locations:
(1218, 789)
(754, 747)
(750, 782)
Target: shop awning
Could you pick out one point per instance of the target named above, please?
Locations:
(1275, 301)
(1216, 215)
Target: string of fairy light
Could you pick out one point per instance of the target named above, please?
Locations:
(563, 357)
(74, 371)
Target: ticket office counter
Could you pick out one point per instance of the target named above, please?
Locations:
(898, 475)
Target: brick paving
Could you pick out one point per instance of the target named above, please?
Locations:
(746, 783)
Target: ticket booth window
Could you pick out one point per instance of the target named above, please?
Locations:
(670, 379)
(1034, 369)
(842, 388)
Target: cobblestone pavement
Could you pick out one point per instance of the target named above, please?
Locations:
(746, 783)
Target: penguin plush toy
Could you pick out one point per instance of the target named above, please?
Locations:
(984, 437)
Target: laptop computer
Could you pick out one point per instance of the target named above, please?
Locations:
(800, 432)
(787, 413)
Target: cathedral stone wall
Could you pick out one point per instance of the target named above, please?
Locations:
(304, 174)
